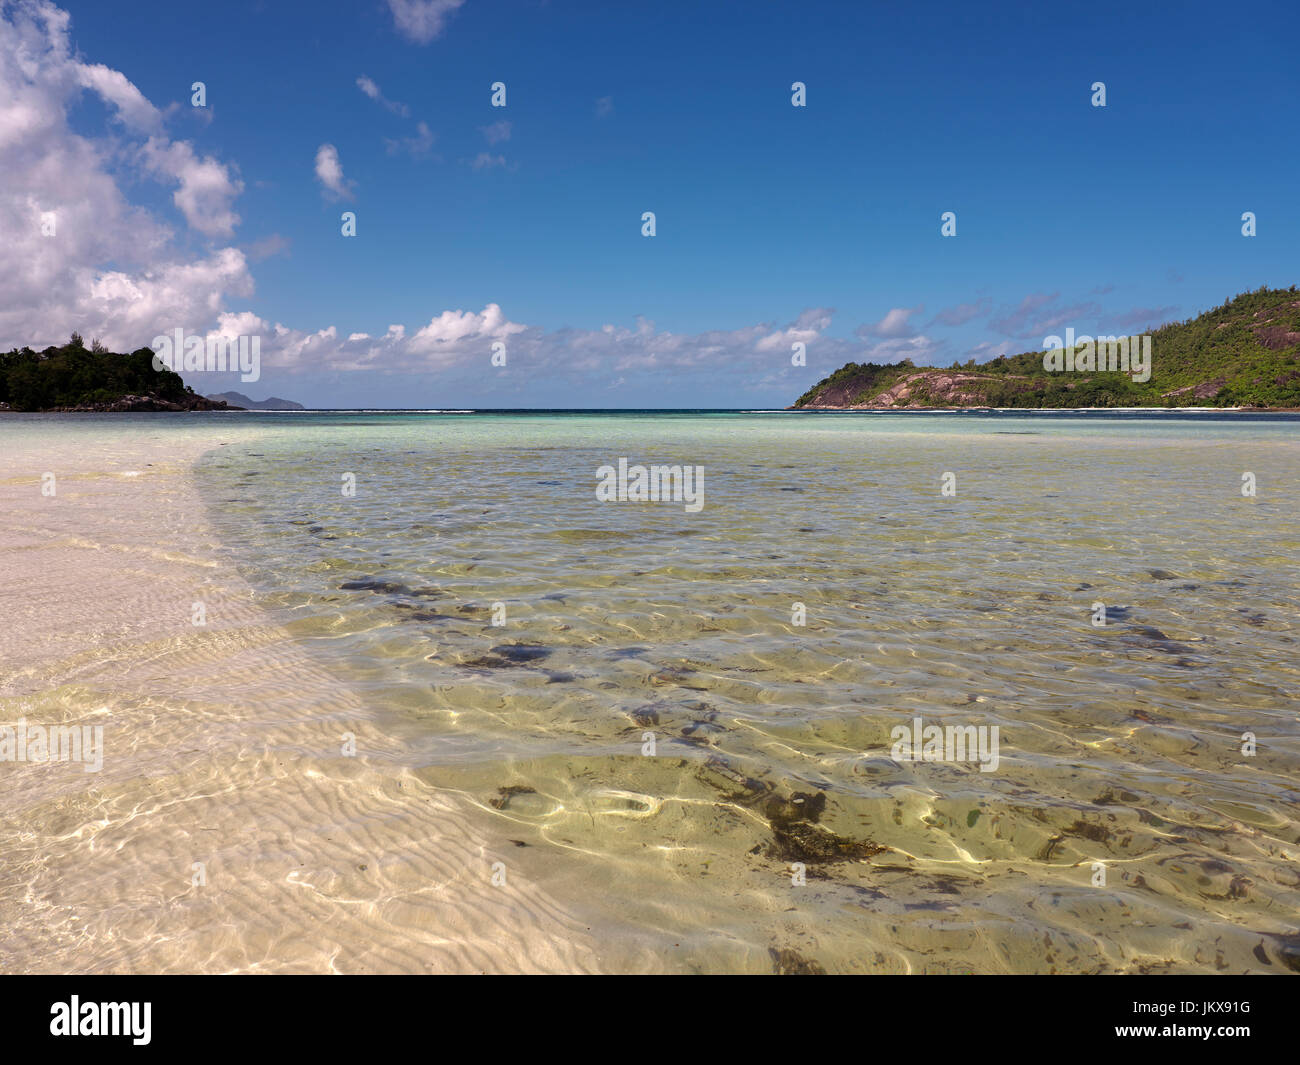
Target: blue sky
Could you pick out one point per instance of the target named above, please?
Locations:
(774, 223)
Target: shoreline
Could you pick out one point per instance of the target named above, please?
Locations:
(867, 409)
(226, 831)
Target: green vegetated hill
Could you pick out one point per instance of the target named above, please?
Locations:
(75, 377)
(1245, 353)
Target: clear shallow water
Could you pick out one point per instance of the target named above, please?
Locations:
(1118, 745)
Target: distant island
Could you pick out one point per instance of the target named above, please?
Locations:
(239, 401)
(1245, 353)
(79, 378)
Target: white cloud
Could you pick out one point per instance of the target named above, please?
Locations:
(604, 107)
(43, 80)
(458, 344)
(329, 172)
(206, 187)
(241, 324)
(422, 20)
(894, 324)
(368, 86)
(185, 292)
(922, 350)
(113, 87)
(486, 160)
(805, 329)
(110, 269)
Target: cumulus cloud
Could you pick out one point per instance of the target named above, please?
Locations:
(804, 329)
(186, 292)
(457, 345)
(329, 172)
(113, 87)
(78, 254)
(42, 80)
(449, 339)
(486, 160)
(206, 186)
(422, 20)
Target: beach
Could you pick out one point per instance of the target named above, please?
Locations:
(470, 718)
(225, 831)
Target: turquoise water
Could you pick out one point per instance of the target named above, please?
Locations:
(624, 624)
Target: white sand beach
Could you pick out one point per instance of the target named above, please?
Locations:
(226, 831)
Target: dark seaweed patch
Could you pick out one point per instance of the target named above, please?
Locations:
(796, 836)
(645, 715)
(1048, 849)
(1153, 639)
(423, 615)
(373, 584)
(521, 652)
(788, 962)
(1288, 950)
(1096, 833)
(677, 676)
(508, 656)
(627, 652)
(1107, 797)
(508, 792)
(800, 842)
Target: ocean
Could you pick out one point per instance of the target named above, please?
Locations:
(721, 738)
